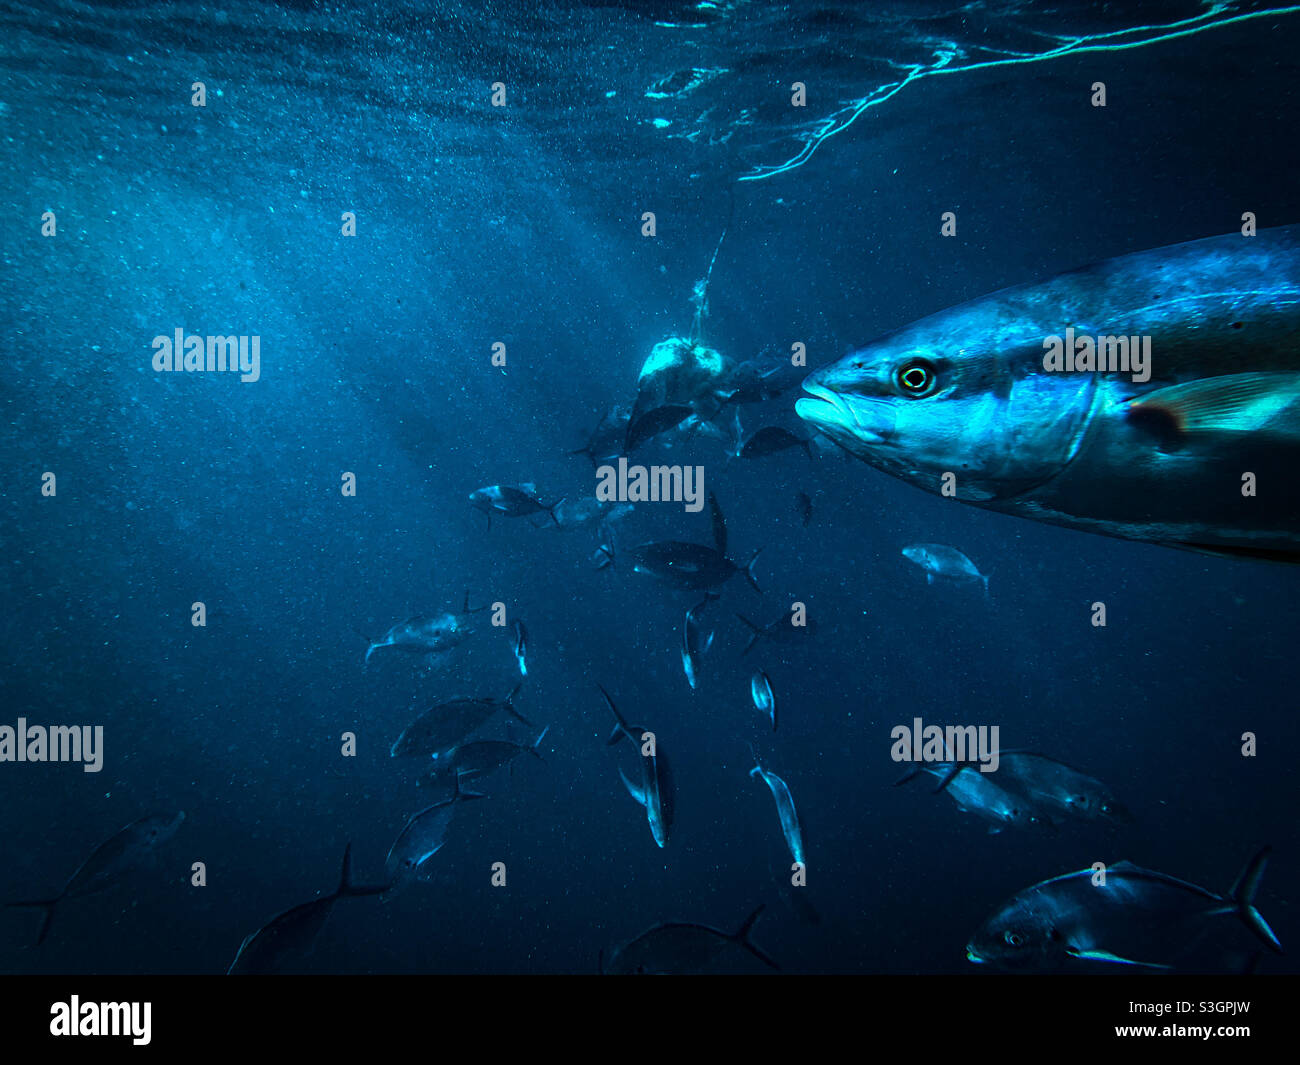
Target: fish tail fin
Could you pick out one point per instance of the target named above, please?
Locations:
(907, 776)
(1243, 895)
(510, 705)
(551, 509)
(459, 793)
(369, 651)
(44, 904)
(347, 889)
(749, 571)
(753, 639)
(620, 726)
(742, 937)
(985, 578)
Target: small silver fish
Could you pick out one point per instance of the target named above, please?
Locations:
(521, 647)
(692, 644)
(940, 560)
(760, 689)
(785, 810)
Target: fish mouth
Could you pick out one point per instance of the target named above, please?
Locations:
(834, 415)
(972, 956)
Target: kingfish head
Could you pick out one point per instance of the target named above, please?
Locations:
(920, 556)
(963, 392)
(1021, 935)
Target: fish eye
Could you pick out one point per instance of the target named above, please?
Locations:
(1014, 939)
(916, 378)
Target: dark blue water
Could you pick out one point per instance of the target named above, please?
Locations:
(522, 225)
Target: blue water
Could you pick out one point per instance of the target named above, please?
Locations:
(522, 225)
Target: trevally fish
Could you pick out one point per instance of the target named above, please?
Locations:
(1057, 786)
(521, 647)
(133, 847)
(977, 793)
(756, 381)
(512, 500)
(784, 809)
(420, 839)
(676, 948)
(769, 441)
(654, 793)
(940, 560)
(694, 567)
(606, 441)
(440, 727)
(1135, 917)
(653, 422)
(693, 645)
(1195, 449)
(781, 631)
(429, 635)
(760, 690)
(292, 933)
(588, 511)
(480, 757)
(690, 567)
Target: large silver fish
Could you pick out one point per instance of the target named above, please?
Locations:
(1131, 916)
(977, 793)
(655, 793)
(441, 727)
(1164, 459)
(134, 847)
(1057, 786)
(678, 947)
(289, 935)
(429, 635)
(421, 838)
(784, 809)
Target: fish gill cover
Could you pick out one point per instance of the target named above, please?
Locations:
(338, 342)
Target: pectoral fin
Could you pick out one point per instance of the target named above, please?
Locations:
(634, 790)
(1105, 955)
(1235, 403)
